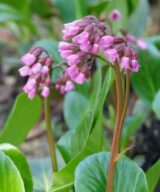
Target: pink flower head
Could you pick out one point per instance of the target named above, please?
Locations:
(134, 65)
(45, 91)
(106, 42)
(28, 59)
(142, 44)
(36, 68)
(125, 63)
(80, 79)
(111, 54)
(115, 15)
(69, 86)
(63, 46)
(73, 59)
(24, 71)
(38, 73)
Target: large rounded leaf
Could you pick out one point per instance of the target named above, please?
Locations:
(10, 178)
(21, 163)
(90, 175)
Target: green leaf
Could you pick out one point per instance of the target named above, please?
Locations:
(93, 142)
(131, 124)
(146, 82)
(67, 12)
(21, 163)
(90, 175)
(74, 108)
(8, 13)
(97, 7)
(156, 104)
(153, 176)
(138, 20)
(21, 120)
(11, 180)
(81, 8)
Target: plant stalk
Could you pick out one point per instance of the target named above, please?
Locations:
(117, 131)
(50, 137)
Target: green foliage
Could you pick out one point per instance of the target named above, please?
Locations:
(10, 178)
(21, 120)
(86, 138)
(67, 12)
(153, 176)
(90, 175)
(74, 108)
(21, 164)
(138, 19)
(156, 104)
(147, 82)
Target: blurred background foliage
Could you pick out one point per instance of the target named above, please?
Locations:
(28, 23)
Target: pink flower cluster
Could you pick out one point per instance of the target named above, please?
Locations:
(84, 36)
(83, 39)
(36, 68)
(117, 49)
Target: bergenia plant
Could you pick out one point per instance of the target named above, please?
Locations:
(84, 41)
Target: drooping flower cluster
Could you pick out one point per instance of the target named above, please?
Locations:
(84, 36)
(117, 49)
(36, 68)
(83, 39)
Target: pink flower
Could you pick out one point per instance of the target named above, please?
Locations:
(65, 54)
(106, 42)
(24, 71)
(36, 68)
(134, 65)
(111, 54)
(125, 63)
(69, 86)
(45, 91)
(142, 44)
(81, 38)
(32, 94)
(73, 59)
(28, 59)
(72, 71)
(115, 15)
(63, 46)
(80, 79)
(45, 70)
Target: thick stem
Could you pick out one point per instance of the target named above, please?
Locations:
(50, 138)
(117, 131)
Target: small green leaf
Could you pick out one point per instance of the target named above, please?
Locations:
(21, 163)
(68, 13)
(90, 175)
(21, 120)
(146, 82)
(74, 108)
(11, 180)
(153, 176)
(156, 104)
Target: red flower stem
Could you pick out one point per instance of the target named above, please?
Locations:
(116, 136)
(50, 137)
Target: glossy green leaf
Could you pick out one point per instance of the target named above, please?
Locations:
(63, 180)
(74, 108)
(146, 82)
(138, 20)
(97, 7)
(8, 13)
(10, 178)
(20, 162)
(21, 120)
(90, 175)
(156, 104)
(153, 176)
(68, 13)
(81, 8)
